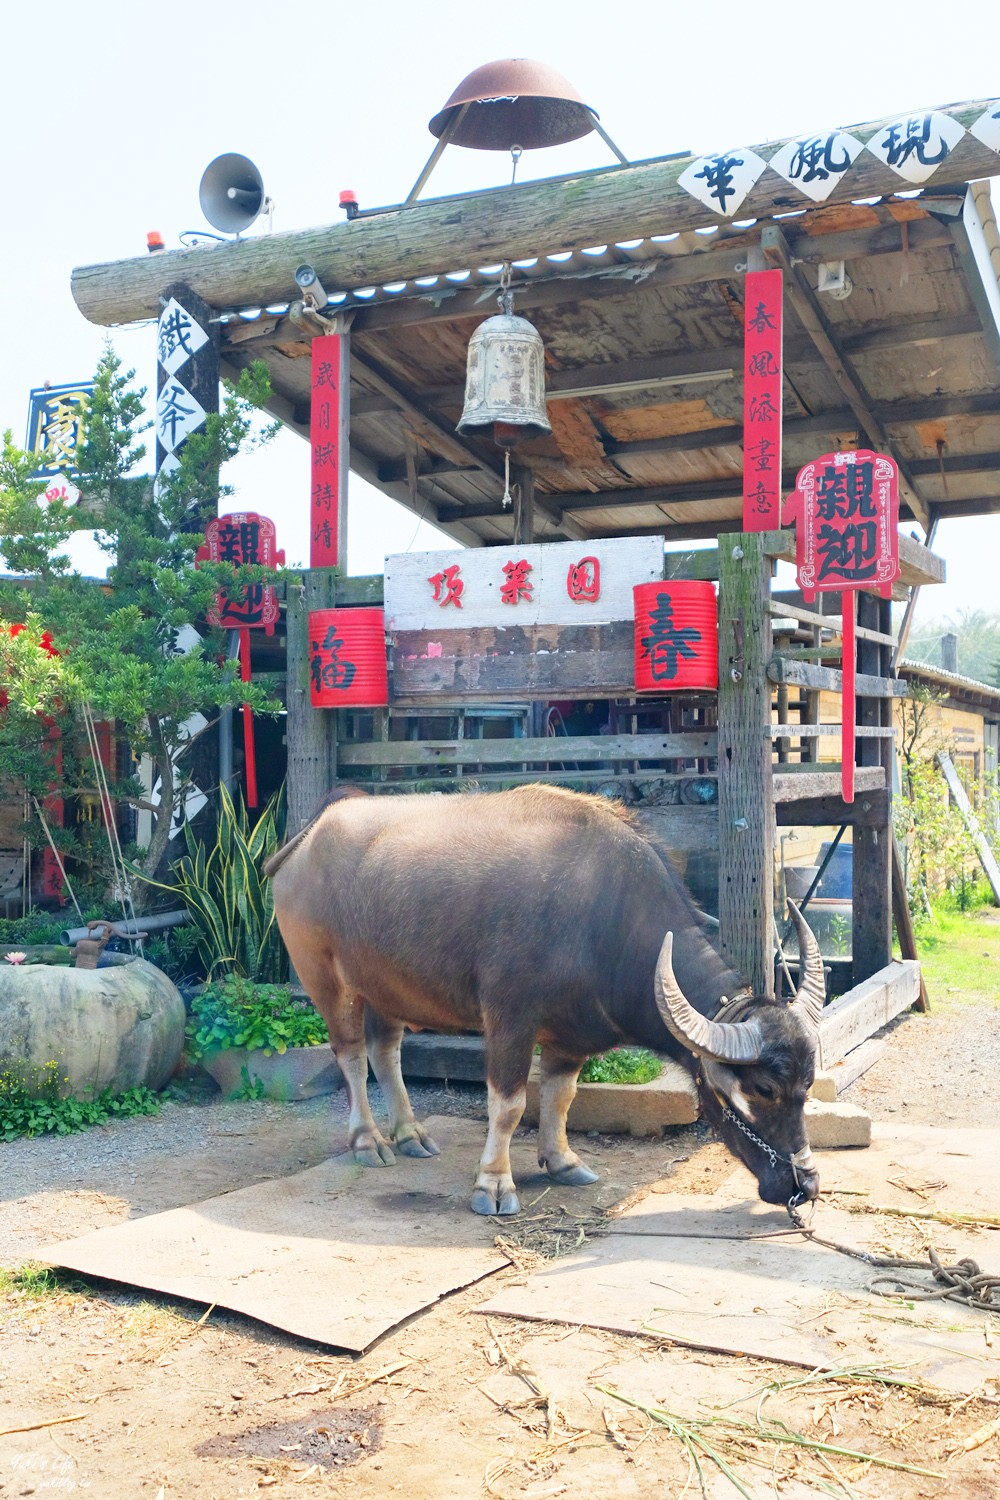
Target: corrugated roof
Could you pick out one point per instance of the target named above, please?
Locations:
(953, 680)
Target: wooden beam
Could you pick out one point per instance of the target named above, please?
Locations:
(806, 304)
(476, 229)
(839, 420)
(782, 669)
(446, 302)
(917, 565)
(865, 1009)
(794, 786)
(869, 809)
(550, 750)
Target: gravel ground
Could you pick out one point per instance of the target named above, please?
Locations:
(937, 1069)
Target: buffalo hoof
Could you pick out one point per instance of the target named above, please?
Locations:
(376, 1155)
(486, 1203)
(417, 1144)
(574, 1176)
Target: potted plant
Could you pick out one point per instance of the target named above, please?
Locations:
(261, 1041)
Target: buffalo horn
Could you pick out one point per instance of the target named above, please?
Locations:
(812, 989)
(722, 1041)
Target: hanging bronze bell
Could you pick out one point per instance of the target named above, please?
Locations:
(505, 382)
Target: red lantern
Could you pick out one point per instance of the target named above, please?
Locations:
(347, 658)
(676, 637)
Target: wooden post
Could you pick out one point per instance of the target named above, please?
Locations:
(310, 732)
(746, 803)
(524, 505)
(872, 857)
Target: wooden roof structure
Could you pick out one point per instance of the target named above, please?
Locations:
(636, 288)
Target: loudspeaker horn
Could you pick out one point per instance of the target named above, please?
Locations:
(231, 192)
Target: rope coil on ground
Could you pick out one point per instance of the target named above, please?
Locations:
(962, 1282)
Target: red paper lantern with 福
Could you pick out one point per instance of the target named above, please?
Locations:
(676, 637)
(347, 658)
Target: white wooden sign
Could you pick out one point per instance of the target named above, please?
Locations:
(549, 583)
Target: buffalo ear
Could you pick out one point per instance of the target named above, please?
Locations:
(723, 1041)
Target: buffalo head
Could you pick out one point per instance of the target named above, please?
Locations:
(758, 1060)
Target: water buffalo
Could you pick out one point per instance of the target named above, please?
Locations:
(533, 915)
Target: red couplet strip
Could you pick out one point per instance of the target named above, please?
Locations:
(762, 401)
(249, 747)
(324, 434)
(848, 660)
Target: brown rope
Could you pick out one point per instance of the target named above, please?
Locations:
(962, 1282)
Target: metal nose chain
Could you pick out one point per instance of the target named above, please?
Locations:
(794, 1161)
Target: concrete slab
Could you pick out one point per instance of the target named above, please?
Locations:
(637, 1109)
(831, 1127)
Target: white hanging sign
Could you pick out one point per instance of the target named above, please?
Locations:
(722, 182)
(178, 336)
(550, 583)
(917, 145)
(815, 164)
(987, 127)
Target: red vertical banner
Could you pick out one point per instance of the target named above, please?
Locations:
(325, 438)
(249, 746)
(762, 401)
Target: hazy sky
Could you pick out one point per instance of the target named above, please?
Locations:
(110, 112)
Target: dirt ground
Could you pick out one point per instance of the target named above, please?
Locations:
(115, 1394)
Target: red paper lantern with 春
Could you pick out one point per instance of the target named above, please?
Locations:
(676, 637)
(347, 658)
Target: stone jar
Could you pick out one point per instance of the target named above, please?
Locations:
(117, 1027)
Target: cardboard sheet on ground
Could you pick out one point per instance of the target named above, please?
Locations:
(718, 1271)
(335, 1254)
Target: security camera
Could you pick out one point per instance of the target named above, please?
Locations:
(311, 287)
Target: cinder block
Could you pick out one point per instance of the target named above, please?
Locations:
(825, 1088)
(832, 1126)
(638, 1109)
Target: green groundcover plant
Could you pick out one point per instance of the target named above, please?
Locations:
(30, 1104)
(235, 1012)
(622, 1065)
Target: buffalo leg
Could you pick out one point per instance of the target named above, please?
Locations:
(344, 1014)
(384, 1039)
(508, 1059)
(558, 1088)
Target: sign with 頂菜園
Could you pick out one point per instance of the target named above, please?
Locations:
(549, 583)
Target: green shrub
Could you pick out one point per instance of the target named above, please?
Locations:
(30, 1104)
(235, 1012)
(227, 896)
(622, 1065)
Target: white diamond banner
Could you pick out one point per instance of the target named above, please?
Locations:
(722, 182)
(178, 414)
(987, 127)
(178, 336)
(917, 145)
(815, 164)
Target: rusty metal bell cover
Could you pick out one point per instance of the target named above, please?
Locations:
(505, 378)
